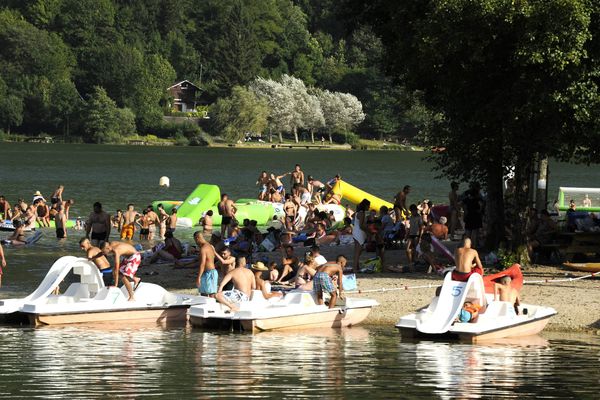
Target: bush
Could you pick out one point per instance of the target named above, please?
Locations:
(348, 137)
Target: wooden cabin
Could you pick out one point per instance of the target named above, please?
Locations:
(185, 96)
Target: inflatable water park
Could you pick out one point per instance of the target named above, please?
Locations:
(205, 197)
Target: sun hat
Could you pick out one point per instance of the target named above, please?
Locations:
(37, 193)
(259, 266)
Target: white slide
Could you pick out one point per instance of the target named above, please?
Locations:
(451, 300)
(55, 275)
(442, 249)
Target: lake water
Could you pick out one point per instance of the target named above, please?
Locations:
(372, 362)
(357, 363)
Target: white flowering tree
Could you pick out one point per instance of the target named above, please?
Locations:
(278, 98)
(353, 111)
(341, 111)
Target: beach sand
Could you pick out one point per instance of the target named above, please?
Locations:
(577, 302)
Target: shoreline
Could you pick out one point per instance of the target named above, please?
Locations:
(572, 300)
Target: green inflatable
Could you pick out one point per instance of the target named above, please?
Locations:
(262, 213)
(200, 200)
(168, 205)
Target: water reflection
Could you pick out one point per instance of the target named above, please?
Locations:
(138, 361)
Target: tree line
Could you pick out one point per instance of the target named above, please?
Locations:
(85, 69)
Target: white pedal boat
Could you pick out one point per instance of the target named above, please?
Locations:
(497, 320)
(90, 301)
(296, 310)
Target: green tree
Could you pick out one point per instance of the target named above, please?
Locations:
(506, 76)
(238, 114)
(104, 122)
(11, 108)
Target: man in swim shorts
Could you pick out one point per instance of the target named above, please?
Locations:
(316, 188)
(129, 218)
(153, 221)
(5, 210)
(227, 211)
(322, 282)
(93, 253)
(297, 176)
(98, 225)
(467, 262)
(127, 262)
(162, 218)
(172, 220)
(400, 203)
(208, 277)
(60, 222)
(243, 285)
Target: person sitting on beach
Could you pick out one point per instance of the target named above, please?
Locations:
(323, 283)
(323, 238)
(17, 238)
(2, 263)
(171, 252)
(97, 227)
(264, 286)
(439, 229)
(359, 231)
(128, 225)
(208, 277)
(127, 262)
(172, 221)
(273, 272)
(243, 285)
(109, 276)
(207, 222)
(504, 291)
(303, 278)
(426, 253)
(289, 264)
(263, 184)
(467, 262)
(316, 188)
(226, 262)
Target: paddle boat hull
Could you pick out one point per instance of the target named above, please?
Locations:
(89, 301)
(496, 319)
(295, 311)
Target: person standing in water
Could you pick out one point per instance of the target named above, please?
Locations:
(172, 221)
(60, 223)
(129, 217)
(98, 225)
(297, 176)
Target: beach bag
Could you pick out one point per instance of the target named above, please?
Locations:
(349, 282)
(371, 265)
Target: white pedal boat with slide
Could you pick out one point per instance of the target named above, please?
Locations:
(88, 300)
(296, 310)
(497, 319)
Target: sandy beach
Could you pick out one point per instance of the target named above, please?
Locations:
(577, 302)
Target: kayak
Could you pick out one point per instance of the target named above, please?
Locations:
(585, 267)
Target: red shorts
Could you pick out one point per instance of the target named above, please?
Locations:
(463, 277)
(130, 266)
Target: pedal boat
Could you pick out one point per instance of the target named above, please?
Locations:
(498, 319)
(88, 300)
(296, 310)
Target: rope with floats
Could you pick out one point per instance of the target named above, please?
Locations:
(430, 286)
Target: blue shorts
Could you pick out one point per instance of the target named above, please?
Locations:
(322, 283)
(208, 282)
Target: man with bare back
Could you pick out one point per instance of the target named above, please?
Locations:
(208, 277)
(127, 262)
(243, 285)
(227, 211)
(98, 258)
(97, 227)
(263, 182)
(467, 262)
(297, 176)
(322, 281)
(172, 221)
(129, 217)
(153, 221)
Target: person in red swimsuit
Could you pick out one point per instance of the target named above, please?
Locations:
(467, 262)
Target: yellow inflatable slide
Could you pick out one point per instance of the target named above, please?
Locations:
(355, 195)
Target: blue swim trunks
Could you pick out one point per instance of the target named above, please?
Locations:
(208, 282)
(322, 283)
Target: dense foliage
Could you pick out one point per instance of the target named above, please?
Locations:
(512, 81)
(58, 55)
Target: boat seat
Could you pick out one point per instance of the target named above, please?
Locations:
(77, 291)
(82, 270)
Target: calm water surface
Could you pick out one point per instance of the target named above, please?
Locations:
(357, 363)
(93, 362)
